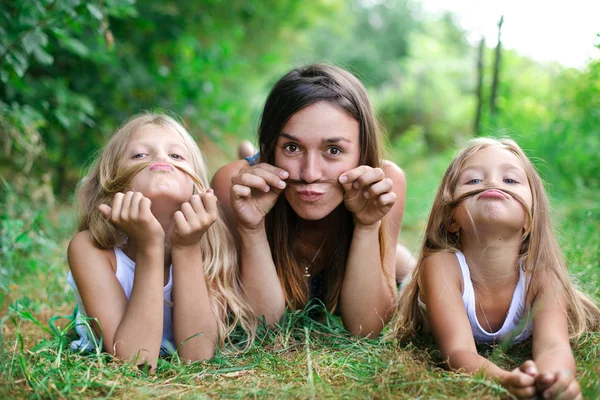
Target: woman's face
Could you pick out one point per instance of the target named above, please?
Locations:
(319, 142)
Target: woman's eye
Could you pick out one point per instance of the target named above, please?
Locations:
(473, 181)
(176, 156)
(291, 148)
(139, 155)
(334, 151)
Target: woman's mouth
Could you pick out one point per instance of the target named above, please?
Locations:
(309, 195)
(161, 167)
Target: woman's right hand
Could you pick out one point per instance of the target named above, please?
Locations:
(131, 213)
(254, 192)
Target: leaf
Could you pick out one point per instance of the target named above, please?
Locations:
(95, 11)
(75, 46)
(42, 57)
(63, 119)
(34, 40)
(19, 62)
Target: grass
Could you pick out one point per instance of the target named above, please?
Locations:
(302, 358)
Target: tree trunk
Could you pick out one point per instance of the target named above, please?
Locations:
(495, 82)
(479, 88)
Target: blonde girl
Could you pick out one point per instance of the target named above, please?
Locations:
(153, 263)
(491, 270)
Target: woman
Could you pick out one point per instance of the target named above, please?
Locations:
(317, 212)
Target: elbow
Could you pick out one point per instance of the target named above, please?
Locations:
(198, 354)
(370, 329)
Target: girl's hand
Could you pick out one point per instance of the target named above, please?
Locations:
(520, 382)
(558, 385)
(193, 219)
(368, 194)
(254, 192)
(130, 212)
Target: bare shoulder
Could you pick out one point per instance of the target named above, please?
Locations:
(440, 271)
(82, 252)
(394, 172)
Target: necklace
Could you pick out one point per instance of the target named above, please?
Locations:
(488, 323)
(306, 269)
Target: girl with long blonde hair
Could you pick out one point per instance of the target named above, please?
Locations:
(154, 266)
(491, 270)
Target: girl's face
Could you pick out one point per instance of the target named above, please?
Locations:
(319, 142)
(493, 167)
(163, 149)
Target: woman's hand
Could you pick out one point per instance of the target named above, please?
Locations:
(558, 385)
(368, 194)
(193, 219)
(254, 192)
(520, 382)
(131, 213)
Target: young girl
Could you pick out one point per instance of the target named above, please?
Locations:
(153, 263)
(491, 270)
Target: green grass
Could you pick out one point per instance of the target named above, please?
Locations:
(303, 358)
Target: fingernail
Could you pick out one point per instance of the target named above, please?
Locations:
(343, 179)
(282, 184)
(367, 195)
(356, 185)
(283, 174)
(267, 188)
(210, 191)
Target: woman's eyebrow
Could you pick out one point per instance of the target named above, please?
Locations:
(335, 139)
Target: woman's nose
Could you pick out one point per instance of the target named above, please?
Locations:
(311, 169)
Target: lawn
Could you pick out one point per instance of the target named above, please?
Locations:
(302, 358)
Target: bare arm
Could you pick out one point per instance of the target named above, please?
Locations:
(129, 329)
(194, 323)
(369, 290)
(551, 348)
(245, 203)
(441, 291)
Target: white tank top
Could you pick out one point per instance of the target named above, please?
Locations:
(125, 273)
(516, 327)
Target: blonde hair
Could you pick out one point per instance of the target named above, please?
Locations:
(540, 255)
(219, 257)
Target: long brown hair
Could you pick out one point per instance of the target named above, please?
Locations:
(296, 90)
(219, 257)
(540, 255)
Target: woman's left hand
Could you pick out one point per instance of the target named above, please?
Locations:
(368, 194)
(193, 219)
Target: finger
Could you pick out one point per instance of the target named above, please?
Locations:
(280, 172)
(197, 205)
(380, 187)
(145, 209)
(529, 368)
(517, 379)
(573, 391)
(126, 207)
(527, 392)
(210, 201)
(348, 178)
(545, 380)
(116, 206)
(240, 192)
(369, 178)
(560, 385)
(387, 200)
(257, 179)
(181, 225)
(134, 206)
(106, 210)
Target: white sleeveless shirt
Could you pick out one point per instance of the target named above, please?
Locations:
(125, 273)
(515, 327)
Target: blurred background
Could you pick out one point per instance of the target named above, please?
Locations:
(71, 71)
